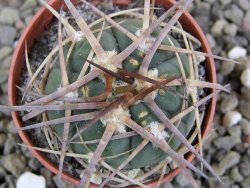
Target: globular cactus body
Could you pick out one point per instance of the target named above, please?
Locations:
(164, 63)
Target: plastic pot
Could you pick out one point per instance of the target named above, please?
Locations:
(38, 24)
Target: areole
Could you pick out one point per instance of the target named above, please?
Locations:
(38, 24)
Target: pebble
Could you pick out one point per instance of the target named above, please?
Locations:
(226, 142)
(241, 41)
(4, 75)
(7, 34)
(244, 166)
(211, 40)
(28, 4)
(4, 51)
(3, 126)
(15, 3)
(246, 22)
(245, 109)
(203, 22)
(235, 174)
(4, 185)
(231, 118)
(234, 186)
(230, 159)
(167, 185)
(6, 62)
(234, 14)
(10, 144)
(218, 27)
(11, 127)
(30, 180)
(245, 77)
(235, 131)
(34, 164)
(47, 175)
(245, 93)
(10, 181)
(220, 78)
(202, 8)
(96, 179)
(245, 125)
(240, 148)
(229, 103)
(182, 180)
(244, 4)
(245, 183)
(226, 68)
(237, 52)
(14, 163)
(2, 172)
(215, 13)
(9, 15)
(225, 2)
(3, 138)
(246, 139)
(231, 29)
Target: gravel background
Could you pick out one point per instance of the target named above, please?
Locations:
(227, 25)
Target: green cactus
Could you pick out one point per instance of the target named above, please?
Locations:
(166, 65)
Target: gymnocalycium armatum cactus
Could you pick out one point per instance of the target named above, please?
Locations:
(122, 95)
(163, 65)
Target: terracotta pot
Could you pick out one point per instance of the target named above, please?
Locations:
(37, 25)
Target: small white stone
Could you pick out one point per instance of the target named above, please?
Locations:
(245, 77)
(200, 59)
(134, 172)
(96, 179)
(30, 180)
(231, 118)
(237, 52)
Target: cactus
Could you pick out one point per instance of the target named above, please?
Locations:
(163, 63)
(123, 95)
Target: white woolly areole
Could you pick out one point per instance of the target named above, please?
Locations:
(193, 90)
(134, 172)
(72, 94)
(114, 117)
(154, 129)
(146, 44)
(106, 61)
(77, 36)
(96, 179)
(200, 59)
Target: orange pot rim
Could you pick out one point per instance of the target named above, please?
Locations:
(43, 18)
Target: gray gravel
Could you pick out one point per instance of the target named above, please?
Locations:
(7, 34)
(226, 23)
